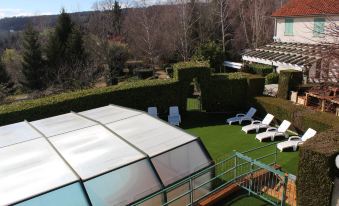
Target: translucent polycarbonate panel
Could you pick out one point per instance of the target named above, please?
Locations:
(110, 114)
(31, 168)
(71, 195)
(16, 133)
(149, 134)
(173, 196)
(123, 186)
(202, 185)
(94, 150)
(61, 124)
(180, 162)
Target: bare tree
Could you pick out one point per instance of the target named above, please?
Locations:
(187, 20)
(222, 12)
(255, 16)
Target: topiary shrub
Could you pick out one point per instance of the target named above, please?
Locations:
(272, 78)
(288, 81)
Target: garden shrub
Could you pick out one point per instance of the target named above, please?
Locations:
(230, 91)
(224, 93)
(301, 117)
(187, 71)
(317, 169)
(212, 53)
(138, 95)
(256, 85)
(289, 80)
(272, 78)
(261, 69)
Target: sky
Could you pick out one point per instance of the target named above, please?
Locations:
(10, 8)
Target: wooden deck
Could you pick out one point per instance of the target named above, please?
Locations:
(274, 190)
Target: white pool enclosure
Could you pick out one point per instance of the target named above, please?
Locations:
(101, 157)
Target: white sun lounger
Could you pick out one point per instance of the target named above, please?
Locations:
(295, 141)
(273, 132)
(174, 117)
(242, 117)
(153, 111)
(257, 125)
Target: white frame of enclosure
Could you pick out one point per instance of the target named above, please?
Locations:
(147, 158)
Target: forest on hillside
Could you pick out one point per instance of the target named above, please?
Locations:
(73, 51)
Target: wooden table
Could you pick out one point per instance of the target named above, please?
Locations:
(322, 99)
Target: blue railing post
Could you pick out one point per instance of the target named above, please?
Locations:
(283, 198)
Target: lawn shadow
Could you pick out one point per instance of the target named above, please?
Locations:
(194, 119)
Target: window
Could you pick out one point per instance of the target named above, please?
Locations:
(289, 26)
(319, 27)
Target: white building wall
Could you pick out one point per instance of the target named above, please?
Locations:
(303, 30)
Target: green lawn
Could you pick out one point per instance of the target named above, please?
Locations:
(221, 139)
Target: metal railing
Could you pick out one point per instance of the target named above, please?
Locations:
(258, 178)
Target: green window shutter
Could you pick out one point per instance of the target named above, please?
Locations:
(319, 27)
(289, 26)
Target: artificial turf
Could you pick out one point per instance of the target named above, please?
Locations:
(222, 140)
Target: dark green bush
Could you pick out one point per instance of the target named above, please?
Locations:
(260, 69)
(316, 171)
(289, 80)
(138, 95)
(272, 78)
(256, 85)
(187, 71)
(224, 93)
(212, 53)
(230, 91)
(301, 117)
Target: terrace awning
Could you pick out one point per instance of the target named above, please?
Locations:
(289, 55)
(105, 156)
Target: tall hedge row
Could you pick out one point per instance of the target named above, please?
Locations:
(224, 93)
(301, 117)
(316, 171)
(288, 81)
(138, 95)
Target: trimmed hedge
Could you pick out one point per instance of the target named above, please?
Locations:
(289, 80)
(261, 69)
(301, 117)
(272, 78)
(138, 95)
(186, 71)
(224, 93)
(256, 85)
(317, 170)
(230, 91)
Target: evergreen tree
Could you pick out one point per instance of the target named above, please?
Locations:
(57, 44)
(75, 51)
(33, 65)
(4, 77)
(117, 18)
